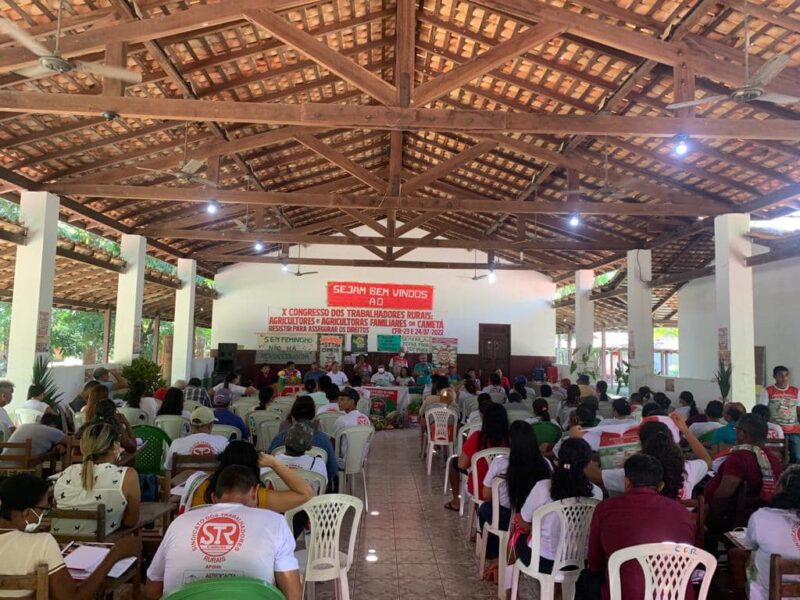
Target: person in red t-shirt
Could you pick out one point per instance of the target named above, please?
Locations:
(783, 401)
(493, 434)
(746, 462)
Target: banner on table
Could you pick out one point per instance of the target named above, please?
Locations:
(279, 348)
(444, 351)
(380, 295)
(382, 401)
(330, 349)
(358, 343)
(389, 343)
(416, 344)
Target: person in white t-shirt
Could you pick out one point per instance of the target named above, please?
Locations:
(337, 376)
(774, 530)
(231, 383)
(332, 398)
(713, 419)
(35, 399)
(200, 442)
(6, 393)
(568, 481)
(230, 538)
(299, 440)
(382, 376)
(774, 431)
(348, 399)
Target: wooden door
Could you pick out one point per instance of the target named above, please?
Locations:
(494, 343)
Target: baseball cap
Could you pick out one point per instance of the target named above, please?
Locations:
(350, 393)
(222, 398)
(202, 415)
(99, 372)
(299, 437)
(521, 379)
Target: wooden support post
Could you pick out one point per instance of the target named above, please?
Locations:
(106, 335)
(683, 87)
(116, 56)
(156, 337)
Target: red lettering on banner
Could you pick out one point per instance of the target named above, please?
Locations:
(383, 295)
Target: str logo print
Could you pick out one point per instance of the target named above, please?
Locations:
(202, 449)
(216, 535)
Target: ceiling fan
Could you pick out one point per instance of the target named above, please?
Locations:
(606, 190)
(475, 276)
(53, 62)
(187, 169)
(242, 226)
(753, 88)
(299, 273)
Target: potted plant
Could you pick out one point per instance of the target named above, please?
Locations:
(412, 411)
(622, 375)
(585, 361)
(43, 376)
(144, 371)
(723, 377)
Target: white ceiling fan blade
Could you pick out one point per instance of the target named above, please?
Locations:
(779, 99)
(37, 72)
(160, 171)
(769, 70)
(192, 166)
(698, 102)
(107, 71)
(240, 224)
(24, 38)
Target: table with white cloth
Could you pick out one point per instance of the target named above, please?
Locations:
(403, 397)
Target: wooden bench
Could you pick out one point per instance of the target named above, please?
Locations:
(778, 568)
(26, 461)
(36, 583)
(193, 462)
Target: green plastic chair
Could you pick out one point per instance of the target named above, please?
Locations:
(547, 432)
(151, 458)
(227, 587)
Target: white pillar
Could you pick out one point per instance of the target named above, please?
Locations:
(584, 308)
(130, 291)
(32, 302)
(640, 318)
(183, 336)
(734, 291)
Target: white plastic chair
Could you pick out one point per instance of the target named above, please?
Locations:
(78, 419)
(4, 434)
(327, 420)
(267, 430)
(488, 456)
(135, 416)
(243, 409)
(440, 421)
(322, 560)
(313, 451)
(462, 436)
(230, 432)
(175, 426)
(28, 415)
(498, 397)
(352, 449)
(317, 481)
(190, 405)
(575, 515)
(493, 528)
(667, 567)
(254, 420)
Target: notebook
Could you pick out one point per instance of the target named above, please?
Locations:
(83, 559)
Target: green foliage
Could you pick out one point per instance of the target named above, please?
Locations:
(413, 408)
(72, 331)
(205, 282)
(81, 236)
(43, 376)
(585, 362)
(723, 376)
(145, 371)
(151, 262)
(622, 376)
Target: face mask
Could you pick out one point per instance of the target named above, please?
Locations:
(401, 354)
(31, 527)
(381, 369)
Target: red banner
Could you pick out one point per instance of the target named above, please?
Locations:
(380, 295)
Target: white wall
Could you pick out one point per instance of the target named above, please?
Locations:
(777, 320)
(519, 298)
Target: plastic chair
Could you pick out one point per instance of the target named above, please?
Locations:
(4, 434)
(227, 587)
(150, 459)
(190, 405)
(78, 419)
(327, 420)
(254, 420)
(499, 398)
(667, 568)
(575, 515)
(441, 422)
(175, 426)
(313, 451)
(229, 431)
(352, 448)
(28, 415)
(493, 528)
(462, 436)
(488, 456)
(135, 416)
(317, 481)
(243, 409)
(267, 430)
(322, 560)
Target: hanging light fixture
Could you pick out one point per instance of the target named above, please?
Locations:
(681, 147)
(212, 207)
(574, 220)
(258, 247)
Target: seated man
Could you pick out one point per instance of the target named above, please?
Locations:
(230, 538)
(747, 462)
(710, 420)
(195, 392)
(382, 376)
(35, 399)
(225, 416)
(348, 400)
(640, 516)
(200, 442)
(331, 398)
(299, 440)
(44, 436)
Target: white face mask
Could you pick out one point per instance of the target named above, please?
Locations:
(381, 369)
(401, 354)
(32, 527)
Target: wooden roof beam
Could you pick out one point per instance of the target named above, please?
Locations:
(446, 166)
(341, 161)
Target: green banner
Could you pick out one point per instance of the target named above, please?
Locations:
(389, 343)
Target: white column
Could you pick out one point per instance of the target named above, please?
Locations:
(734, 292)
(584, 308)
(183, 336)
(640, 318)
(130, 291)
(32, 302)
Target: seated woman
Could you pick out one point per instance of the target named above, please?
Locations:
(567, 405)
(404, 378)
(98, 480)
(266, 396)
(493, 434)
(568, 480)
(517, 410)
(200, 485)
(518, 473)
(136, 399)
(773, 530)
(173, 404)
(23, 504)
(680, 476)
(105, 411)
(687, 407)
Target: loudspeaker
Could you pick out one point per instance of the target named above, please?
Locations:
(226, 351)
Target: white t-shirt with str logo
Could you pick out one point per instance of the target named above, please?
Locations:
(196, 444)
(223, 540)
